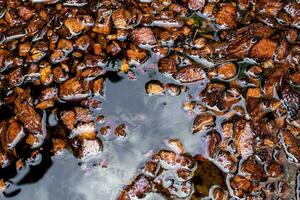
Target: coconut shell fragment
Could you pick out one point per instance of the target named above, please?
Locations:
(202, 121)
(190, 74)
(264, 49)
(144, 36)
(26, 113)
(154, 87)
(227, 16)
(75, 26)
(84, 148)
(71, 89)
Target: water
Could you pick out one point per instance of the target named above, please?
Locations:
(151, 120)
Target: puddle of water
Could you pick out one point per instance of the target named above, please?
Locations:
(150, 120)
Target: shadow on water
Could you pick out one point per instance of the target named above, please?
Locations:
(113, 76)
(38, 170)
(38, 166)
(34, 170)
